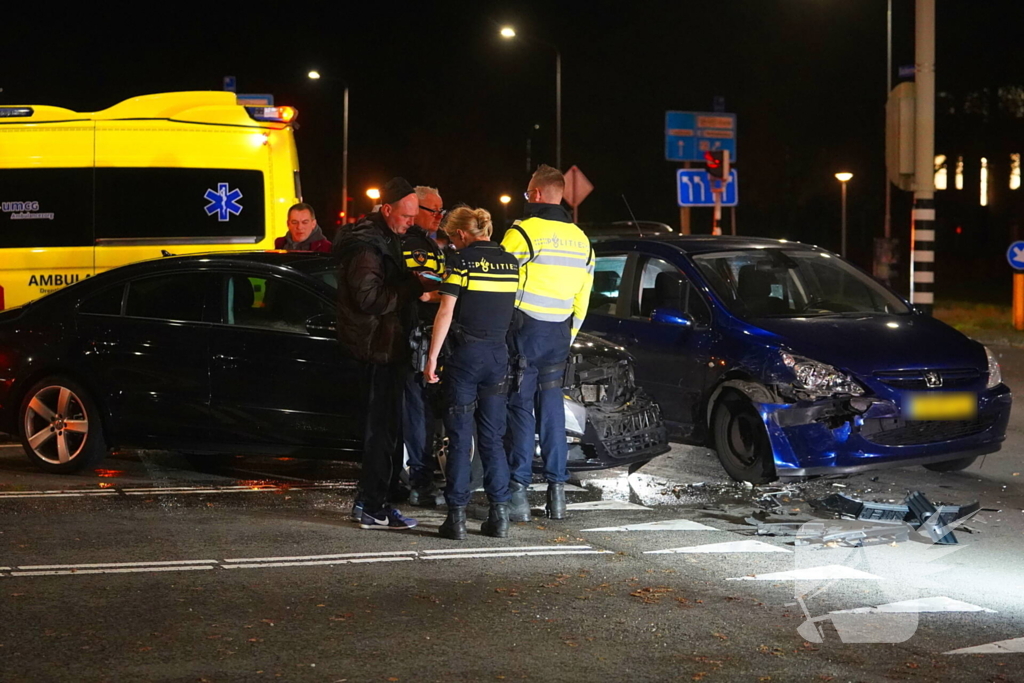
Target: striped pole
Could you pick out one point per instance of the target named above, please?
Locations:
(922, 261)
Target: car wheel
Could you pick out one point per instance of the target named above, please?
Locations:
(742, 441)
(951, 465)
(60, 426)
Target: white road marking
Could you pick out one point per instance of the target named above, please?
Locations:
(56, 494)
(727, 547)
(322, 557)
(455, 551)
(935, 604)
(1000, 647)
(319, 562)
(165, 563)
(664, 525)
(534, 553)
(133, 570)
(5, 569)
(605, 505)
(830, 571)
(542, 486)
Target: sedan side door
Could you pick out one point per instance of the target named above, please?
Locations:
(280, 382)
(666, 326)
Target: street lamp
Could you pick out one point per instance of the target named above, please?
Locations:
(314, 75)
(373, 193)
(844, 178)
(508, 33)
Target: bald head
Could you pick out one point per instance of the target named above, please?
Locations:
(400, 215)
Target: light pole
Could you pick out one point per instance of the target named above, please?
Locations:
(843, 179)
(314, 75)
(508, 33)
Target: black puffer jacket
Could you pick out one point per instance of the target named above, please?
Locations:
(376, 293)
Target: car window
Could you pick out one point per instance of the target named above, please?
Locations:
(177, 296)
(107, 302)
(794, 283)
(663, 285)
(270, 304)
(607, 277)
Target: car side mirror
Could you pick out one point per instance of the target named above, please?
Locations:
(322, 325)
(671, 316)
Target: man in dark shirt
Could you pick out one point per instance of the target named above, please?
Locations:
(303, 232)
(376, 297)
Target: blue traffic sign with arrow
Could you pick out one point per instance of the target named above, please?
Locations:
(694, 188)
(1015, 255)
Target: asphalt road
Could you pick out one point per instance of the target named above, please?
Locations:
(147, 569)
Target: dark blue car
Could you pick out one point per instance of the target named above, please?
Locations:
(790, 362)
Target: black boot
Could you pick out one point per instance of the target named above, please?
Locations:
(454, 526)
(556, 501)
(497, 524)
(519, 506)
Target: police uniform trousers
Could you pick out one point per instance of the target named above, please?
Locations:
(419, 432)
(470, 374)
(532, 410)
(382, 436)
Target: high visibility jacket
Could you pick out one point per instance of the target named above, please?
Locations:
(421, 252)
(556, 265)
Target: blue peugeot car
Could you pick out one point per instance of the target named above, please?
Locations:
(790, 362)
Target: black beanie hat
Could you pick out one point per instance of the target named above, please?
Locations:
(397, 188)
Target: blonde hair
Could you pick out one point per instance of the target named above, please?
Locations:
(474, 222)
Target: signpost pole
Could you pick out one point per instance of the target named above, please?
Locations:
(922, 284)
(1018, 301)
(716, 228)
(684, 213)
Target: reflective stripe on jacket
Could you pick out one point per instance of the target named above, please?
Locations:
(556, 265)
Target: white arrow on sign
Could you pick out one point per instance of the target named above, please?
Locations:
(689, 189)
(1018, 254)
(699, 181)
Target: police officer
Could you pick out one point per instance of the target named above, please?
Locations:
(422, 253)
(477, 300)
(556, 275)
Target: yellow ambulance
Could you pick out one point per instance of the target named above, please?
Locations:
(176, 172)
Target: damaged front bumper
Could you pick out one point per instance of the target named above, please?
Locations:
(845, 436)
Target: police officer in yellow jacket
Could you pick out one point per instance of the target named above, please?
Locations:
(477, 302)
(555, 277)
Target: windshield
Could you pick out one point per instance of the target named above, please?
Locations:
(790, 283)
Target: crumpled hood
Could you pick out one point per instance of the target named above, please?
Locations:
(868, 344)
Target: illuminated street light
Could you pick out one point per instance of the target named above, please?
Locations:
(314, 75)
(843, 179)
(373, 193)
(508, 33)
(504, 199)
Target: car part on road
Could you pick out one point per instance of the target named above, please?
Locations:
(61, 429)
(935, 522)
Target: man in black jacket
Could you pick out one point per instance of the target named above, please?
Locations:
(376, 311)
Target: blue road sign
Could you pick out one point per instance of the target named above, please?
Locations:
(1015, 255)
(230, 83)
(688, 134)
(693, 188)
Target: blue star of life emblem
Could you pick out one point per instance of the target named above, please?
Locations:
(223, 202)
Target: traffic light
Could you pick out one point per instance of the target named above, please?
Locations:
(717, 163)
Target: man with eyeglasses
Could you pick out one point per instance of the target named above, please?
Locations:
(422, 253)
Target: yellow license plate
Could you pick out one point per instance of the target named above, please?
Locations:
(946, 405)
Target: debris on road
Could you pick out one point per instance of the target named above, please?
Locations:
(916, 511)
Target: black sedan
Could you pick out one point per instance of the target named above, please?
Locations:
(237, 353)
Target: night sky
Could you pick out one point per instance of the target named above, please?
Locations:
(438, 97)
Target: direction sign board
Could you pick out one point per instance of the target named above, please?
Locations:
(577, 187)
(230, 83)
(1015, 255)
(255, 100)
(688, 134)
(693, 188)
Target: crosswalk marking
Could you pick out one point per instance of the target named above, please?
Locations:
(727, 547)
(605, 505)
(1000, 647)
(664, 525)
(830, 571)
(934, 604)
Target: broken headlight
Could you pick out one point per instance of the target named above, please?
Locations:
(820, 379)
(995, 375)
